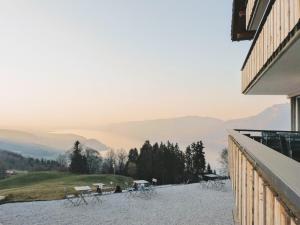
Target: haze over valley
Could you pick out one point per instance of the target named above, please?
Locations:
(181, 130)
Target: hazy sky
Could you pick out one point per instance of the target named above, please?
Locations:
(68, 63)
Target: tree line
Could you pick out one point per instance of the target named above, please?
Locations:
(164, 161)
(14, 161)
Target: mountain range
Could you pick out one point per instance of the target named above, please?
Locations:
(42, 144)
(183, 130)
(212, 131)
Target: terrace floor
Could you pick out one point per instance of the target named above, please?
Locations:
(179, 204)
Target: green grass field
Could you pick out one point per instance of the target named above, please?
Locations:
(50, 185)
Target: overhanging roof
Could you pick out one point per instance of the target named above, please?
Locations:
(238, 23)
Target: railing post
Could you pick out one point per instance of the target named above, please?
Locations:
(269, 207)
(256, 198)
(249, 194)
(240, 188)
(244, 190)
(261, 201)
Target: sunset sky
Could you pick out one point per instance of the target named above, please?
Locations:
(68, 63)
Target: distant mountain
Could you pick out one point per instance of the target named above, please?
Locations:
(213, 132)
(183, 130)
(275, 117)
(29, 149)
(43, 145)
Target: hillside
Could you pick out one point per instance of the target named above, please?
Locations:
(42, 144)
(183, 130)
(15, 161)
(50, 185)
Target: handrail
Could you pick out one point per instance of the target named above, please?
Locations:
(279, 171)
(274, 131)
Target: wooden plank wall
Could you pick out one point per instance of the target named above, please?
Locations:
(284, 16)
(255, 201)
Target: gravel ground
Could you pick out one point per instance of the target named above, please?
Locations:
(172, 205)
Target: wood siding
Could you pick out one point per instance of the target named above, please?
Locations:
(281, 20)
(255, 201)
(249, 11)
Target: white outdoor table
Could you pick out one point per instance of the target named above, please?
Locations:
(141, 185)
(211, 175)
(214, 181)
(100, 185)
(141, 182)
(81, 191)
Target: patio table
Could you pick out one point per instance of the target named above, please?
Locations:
(100, 185)
(213, 181)
(82, 191)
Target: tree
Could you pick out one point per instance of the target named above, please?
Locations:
(94, 160)
(62, 161)
(2, 171)
(198, 159)
(121, 161)
(144, 162)
(189, 162)
(165, 162)
(109, 163)
(131, 169)
(208, 169)
(78, 161)
(224, 161)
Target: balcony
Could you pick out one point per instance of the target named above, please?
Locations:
(272, 64)
(265, 182)
(254, 13)
(285, 142)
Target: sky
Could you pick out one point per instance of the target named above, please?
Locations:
(71, 63)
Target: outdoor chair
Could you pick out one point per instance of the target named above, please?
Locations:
(145, 191)
(131, 192)
(96, 196)
(213, 184)
(70, 198)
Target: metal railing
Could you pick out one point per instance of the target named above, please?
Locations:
(285, 142)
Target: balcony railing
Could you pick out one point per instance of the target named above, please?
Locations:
(278, 26)
(251, 4)
(285, 142)
(265, 182)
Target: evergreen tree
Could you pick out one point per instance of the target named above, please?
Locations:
(198, 158)
(208, 169)
(189, 162)
(157, 162)
(131, 169)
(78, 161)
(133, 155)
(144, 162)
